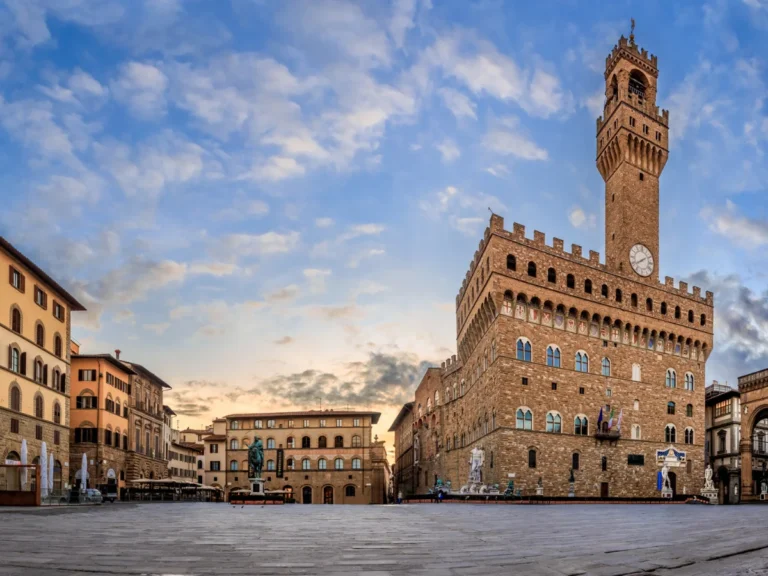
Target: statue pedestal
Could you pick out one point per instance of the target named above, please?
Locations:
(257, 486)
(572, 490)
(667, 493)
(539, 490)
(710, 494)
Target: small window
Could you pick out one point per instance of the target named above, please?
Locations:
(532, 269)
(690, 316)
(689, 410)
(531, 458)
(636, 373)
(16, 321)
(703, 320)
(551, 276)
(664, 308)
(618, 295)
(525, 381)
(606, 367)
(570, 281)
(634, 300)
(677, 312)
(511, 262)
(575, 461)
(338, 464)
(604, 291)
(523, 350)
(581, 390)
(581, 426)
(670, 408)
(604, 463)
(588, 286)
(649, 304)
(357, 463)
(631, 121)
(642, 177)
(554, 385)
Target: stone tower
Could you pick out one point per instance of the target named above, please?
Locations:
(632, 148)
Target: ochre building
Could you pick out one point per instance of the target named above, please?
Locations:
(549, 339)
(319, 457)
(35, 336)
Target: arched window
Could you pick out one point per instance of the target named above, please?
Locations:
(38, 406)
(618, 295)
(671, 380)
(636, 375)
(511, 262)
(57, 413)
(57, 347)
(570, 281)
(16, 320)
(40, 335)
(356, 464)
(305, 442)
(664, 308)
(554, 422)
(524, 419)
(688, 381)
(532, 269)
(582, 362)
(322, 464)
(338, 463)
(575, 460)
(690, 316)
(581, 426)
(349, 491)
(117, 407)
(233, 465)
(14, 360)
(455, 391)
(270, 443)
(551, 276)
(523, 350)
(636, 432)
(588, 286)
(270, 465)
(689, 410)
(636, 405)
(670, 434)
(234, 444)
(605, 368)
(553, 356)
(305, 465)
(493, 355)
(637, 84)
(703, 320)
(670, 407)
(531, 458)
(235, 425)
(633, 300)
(677, 312)
(322, 442)
(38, 372)
(649, 304)
(63, 387)
(291, 442)
(463, 387)
(356, 442)
(16, 399)
(689, 435)
(338, 442)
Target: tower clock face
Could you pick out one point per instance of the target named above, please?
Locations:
(641, 259)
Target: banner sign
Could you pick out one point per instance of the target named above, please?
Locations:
(280, 462)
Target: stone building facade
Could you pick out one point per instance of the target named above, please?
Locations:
(723, 438)
(549, 340)
(753, 444)
(403, 480)
(320, 457)
(35, 336)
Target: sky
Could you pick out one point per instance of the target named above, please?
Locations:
(273, 204)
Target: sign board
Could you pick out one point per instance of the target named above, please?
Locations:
(280, 457)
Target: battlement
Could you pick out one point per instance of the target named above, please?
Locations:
(450, 365)
(661, 116)
(630, 50)
(538, 242)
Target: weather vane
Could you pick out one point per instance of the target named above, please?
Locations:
(632, 32)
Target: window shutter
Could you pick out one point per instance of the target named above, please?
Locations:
(45, 375)
(22, 283)
(63, 386)
(10, 275)
(79, 374)
(24, 363)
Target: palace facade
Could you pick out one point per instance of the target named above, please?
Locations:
(568, 363)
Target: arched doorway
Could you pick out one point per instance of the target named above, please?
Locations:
(759, 445)
(306, 495)
(328, 495)
(13, 477)
(673, 482)
(349, 493)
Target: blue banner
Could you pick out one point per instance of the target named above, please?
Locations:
(658, 480)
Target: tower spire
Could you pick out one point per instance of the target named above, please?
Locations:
(632, 33)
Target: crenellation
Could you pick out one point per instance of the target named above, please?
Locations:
(683, 287)
(710, 298)
(557, 244)
(576, 250)
(497, 223)
(697, 292)
(594, 257)
(518, 230)
(669, 281)
(539, 238)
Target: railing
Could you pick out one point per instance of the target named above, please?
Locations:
(608, 434)
(715, 389)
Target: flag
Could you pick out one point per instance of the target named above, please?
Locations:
(610, 418)
(621, 415)
(600, 419)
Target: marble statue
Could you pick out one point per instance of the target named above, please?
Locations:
(665, 478)
(256, 458)
(416, 448)
(476, 461)
(708, 484)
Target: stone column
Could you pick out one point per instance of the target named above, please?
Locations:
(745, 447)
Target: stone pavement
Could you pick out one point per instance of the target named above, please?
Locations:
(448, 539)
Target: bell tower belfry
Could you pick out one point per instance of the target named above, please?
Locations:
(632, 149)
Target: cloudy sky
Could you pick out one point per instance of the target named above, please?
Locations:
(272, 204)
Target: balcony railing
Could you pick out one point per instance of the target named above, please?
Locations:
(607, 434)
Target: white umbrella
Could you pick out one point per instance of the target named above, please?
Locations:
(43, 470)
(24, 462)
(50, 472)
(84, 473)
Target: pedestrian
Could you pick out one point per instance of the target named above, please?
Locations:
(400, 497)
(439, 496)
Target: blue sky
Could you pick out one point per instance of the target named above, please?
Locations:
(274, 204)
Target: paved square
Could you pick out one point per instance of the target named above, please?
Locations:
(197, 539)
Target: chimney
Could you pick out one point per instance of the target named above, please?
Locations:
(117, 354)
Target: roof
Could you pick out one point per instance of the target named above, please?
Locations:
(147, 373)
(8, 247)
(374, 415)
(407, 407)
(192, 430)
(109, 358)
(215, 438)
(168, 410)
(189, 446)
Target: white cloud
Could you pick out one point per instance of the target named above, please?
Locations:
(498, 170)
(249, 245)
(355, 261)
(275, 169)
(159, 328)
(448, 150)
(32, 123)
(324, 222)
(463, 211)
(217, 269)
(580, 219)
(594, 103)
(469, 226)
(358, 230)
(84, 84)
(688, 100)
(316, 278)
(506, 138)
(142, 88)
(747, 232)
(459, 104)
(403, 13)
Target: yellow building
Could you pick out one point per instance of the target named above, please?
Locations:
(35, 330)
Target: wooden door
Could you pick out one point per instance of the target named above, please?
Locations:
(603, 489)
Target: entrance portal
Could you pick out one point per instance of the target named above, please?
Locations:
(306, 495)
(603, 489)
(328, 495)
(673, 482)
